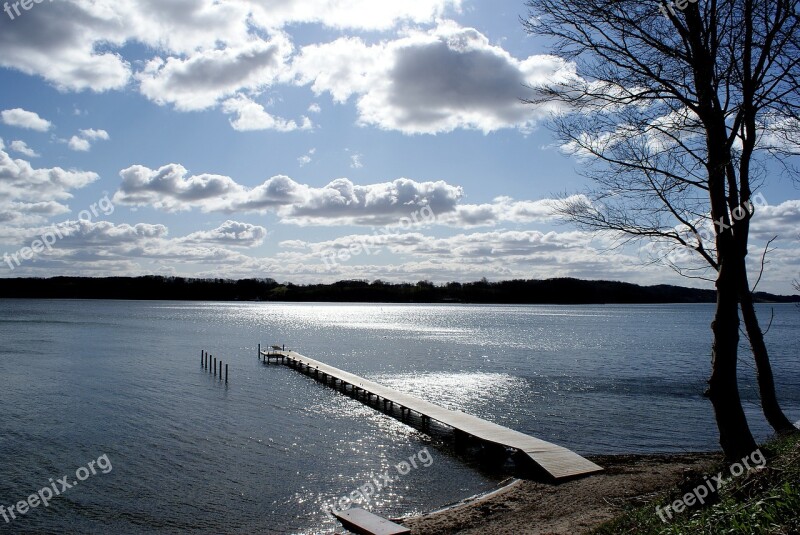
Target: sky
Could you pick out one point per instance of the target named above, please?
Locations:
(302, 140)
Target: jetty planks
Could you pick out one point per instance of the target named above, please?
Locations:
(366, 523)
(559, 462)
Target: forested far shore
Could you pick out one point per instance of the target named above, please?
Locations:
(550, 291)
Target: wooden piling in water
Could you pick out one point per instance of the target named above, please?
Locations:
(215, 366)
(226, 374)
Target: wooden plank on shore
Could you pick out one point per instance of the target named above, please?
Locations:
(366, 523)
(559, 462)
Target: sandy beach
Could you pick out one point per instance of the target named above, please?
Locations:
(570, 508)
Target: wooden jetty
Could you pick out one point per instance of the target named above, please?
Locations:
(365, 523)
(558, 462)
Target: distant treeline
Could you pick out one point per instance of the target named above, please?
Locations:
(551, 291)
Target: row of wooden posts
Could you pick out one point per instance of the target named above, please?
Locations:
(209, 362)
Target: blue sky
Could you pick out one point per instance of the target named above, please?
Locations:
(299, 141)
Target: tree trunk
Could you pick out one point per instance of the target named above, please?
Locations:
(723, 389)
(766, 383)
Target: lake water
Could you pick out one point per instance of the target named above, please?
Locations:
(266, 452)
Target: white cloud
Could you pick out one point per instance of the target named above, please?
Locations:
(429, 82)
(22, 148)
(204, 78)
(25, 119)
(29, 195)
(782, 220)
(67, 43)
(210, 52)
(103, 247)
(85, 234)
(20, 214)
(347, 14)
(169, 188)
(501, 210)
(231, 233)
(306, 158)
(342, 202)
(79, 144)
(252, 116)
(356, 161)
(93, 134)
(500, 254)
(78, 44)
(21, 181)
(780, 135)
(83, 141)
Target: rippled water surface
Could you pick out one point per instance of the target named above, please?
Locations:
(266, 452)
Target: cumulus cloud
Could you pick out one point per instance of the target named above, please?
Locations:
(25, 119)
(67, 43)
(251, 115)
(428, 82)
(93, 134)
(83, 233)
(204, 78)
(77, 45)
(355, 14)
(782, 220)
(79, 144)
(83, 141)
(468, 256)
(501, 209)
(341, 201)
(169, 189)
(29, 195)
(102, 246)
(232, 233)
(16, 216)
(22, 148)
(20, 181)
(209, 53)
(491, 245)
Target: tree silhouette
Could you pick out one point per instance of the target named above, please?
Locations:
(672, 111)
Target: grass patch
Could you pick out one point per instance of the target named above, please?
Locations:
(760, 501)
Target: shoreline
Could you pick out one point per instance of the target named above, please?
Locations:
(576, 506)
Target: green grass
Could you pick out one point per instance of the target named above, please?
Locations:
(765, 501)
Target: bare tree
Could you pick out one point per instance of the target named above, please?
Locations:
(766, 382)
(670, 106)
